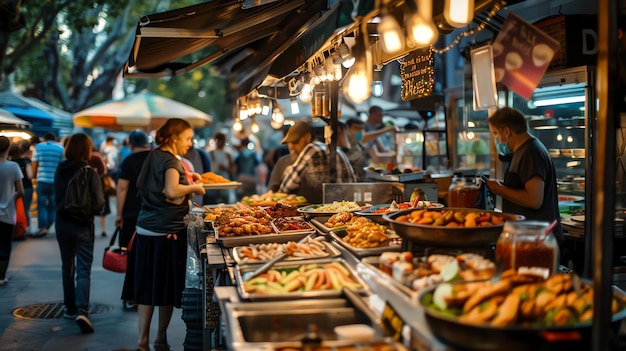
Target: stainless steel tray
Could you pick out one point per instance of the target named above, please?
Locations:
(330, 249)
(359, 252)
(241, 271)
(277, 230)
(403, 177)
(372, 264)
(232, 241)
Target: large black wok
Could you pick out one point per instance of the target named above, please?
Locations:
(446, 236)
(465, 336)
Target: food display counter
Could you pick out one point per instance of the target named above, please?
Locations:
(376, 290)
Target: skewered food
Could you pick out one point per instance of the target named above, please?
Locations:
(256, 253)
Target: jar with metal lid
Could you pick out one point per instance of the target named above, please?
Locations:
(463, 192)
(526, 244)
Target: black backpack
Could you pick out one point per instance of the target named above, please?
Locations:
(77, 204)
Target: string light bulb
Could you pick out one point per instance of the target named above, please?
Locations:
(377, 86)
(295, 108)
(391, 35)
(420, 26)
(458, 13)
(360, 81)
(237, 126)
(254, 127)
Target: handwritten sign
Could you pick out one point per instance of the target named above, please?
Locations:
(522, 53)
(417, 71)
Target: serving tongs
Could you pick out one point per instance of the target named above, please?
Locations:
(269, 264)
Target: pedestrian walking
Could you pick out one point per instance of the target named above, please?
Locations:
(75, 236)
(10, 189)
(46, 158)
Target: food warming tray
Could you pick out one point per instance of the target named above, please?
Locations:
(241, 270)
(363, 252)
(232, 241)
(401, 177)
(330, 249)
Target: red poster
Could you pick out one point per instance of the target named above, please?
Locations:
(522, 54)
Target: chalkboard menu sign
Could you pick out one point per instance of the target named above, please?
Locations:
(417, 70)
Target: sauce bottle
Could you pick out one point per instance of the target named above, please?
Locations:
(525, 244)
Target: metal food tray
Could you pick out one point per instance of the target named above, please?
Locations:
(402, 177)
(241, 271)
(311, 230)
(359, 252)
(332, 252)
(232, 241)
(372, 264)
(214, 186)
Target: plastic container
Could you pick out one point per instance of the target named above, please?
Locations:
(524, 244)
(355, 332)
(463, 192)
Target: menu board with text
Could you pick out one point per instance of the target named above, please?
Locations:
(417, 71)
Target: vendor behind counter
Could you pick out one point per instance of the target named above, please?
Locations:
(312, 167)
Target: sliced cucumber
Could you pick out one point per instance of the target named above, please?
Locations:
(451, 272)
(442, 291)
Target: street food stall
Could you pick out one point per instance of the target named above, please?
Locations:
(394, 285)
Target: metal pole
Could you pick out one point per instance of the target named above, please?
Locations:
(333, 91)
(603, 175)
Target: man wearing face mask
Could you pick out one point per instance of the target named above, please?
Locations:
(529, 187)
(357, 155)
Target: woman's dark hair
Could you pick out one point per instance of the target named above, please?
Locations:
(78, 147)
(509, 117)
(173, 126)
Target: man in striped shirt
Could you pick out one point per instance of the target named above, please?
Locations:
(312, 167)
(48, 154)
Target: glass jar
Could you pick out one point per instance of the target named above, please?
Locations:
(463, 192)
(525, 244)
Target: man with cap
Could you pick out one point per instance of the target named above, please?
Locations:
(128, 202)
(312, 166)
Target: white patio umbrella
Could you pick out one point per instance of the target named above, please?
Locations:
(9, 119)
(144, 110)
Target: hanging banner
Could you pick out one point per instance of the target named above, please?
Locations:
(522, 53)
(417, 71)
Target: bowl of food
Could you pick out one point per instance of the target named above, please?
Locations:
(455, 227)
(517, 312)
(376, 212)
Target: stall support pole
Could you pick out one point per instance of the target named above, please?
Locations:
(333, 89)
(603, 175)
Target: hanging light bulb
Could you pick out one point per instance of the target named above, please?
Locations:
(360, 81)
(265, 110)
(349, 62)
(237, 126)
(295, 108)
(278, 116)
(458, 13)
(377, 86)
(276, 125)
(391, 35)
(420, 26)
(254, 127)
(306, 93)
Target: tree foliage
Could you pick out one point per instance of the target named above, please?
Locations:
(70, 53)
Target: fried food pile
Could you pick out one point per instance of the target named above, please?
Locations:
(521, 300)
(244, 221)
(213, 178)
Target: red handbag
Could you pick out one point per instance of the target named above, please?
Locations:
(115, 258)
(19, 230)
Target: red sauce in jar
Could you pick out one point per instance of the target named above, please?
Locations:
(525, 254)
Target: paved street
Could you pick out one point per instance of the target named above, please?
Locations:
(35, 278)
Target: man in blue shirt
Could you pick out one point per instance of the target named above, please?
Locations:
(48, 154)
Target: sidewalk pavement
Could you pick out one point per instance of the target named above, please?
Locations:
(34, 277)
